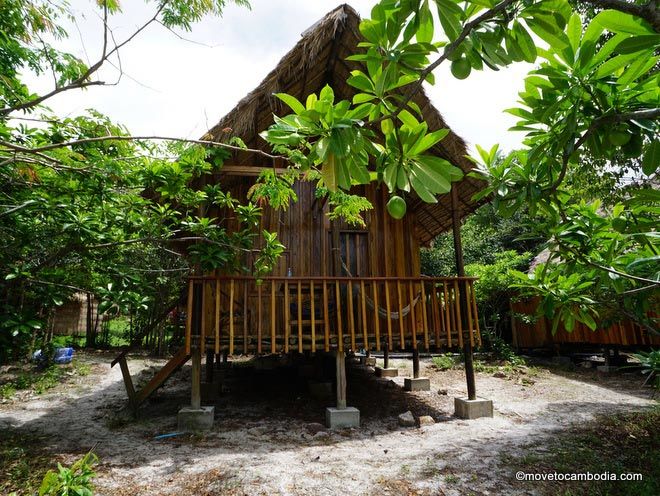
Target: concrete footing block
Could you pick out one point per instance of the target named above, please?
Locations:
(388, 372)
(336, 418)
(473, 409)
(606, 369)
(418, 384)
(195, 419)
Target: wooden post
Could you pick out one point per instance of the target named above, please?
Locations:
(196, 391)
(415, 357)
(460, 272)
(336, 247)
(386, 355)
(128, 381)
(341, 380)
(209, 364)
(196, 350)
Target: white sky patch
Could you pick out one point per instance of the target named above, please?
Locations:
(172, 87)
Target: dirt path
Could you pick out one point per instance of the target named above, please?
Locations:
(267, 438)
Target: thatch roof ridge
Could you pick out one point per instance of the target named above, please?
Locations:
(310, 43)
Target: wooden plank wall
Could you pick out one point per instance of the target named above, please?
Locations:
(383, 247)
(305, 230)
(539, 334)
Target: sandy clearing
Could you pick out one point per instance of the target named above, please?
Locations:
(261, 442)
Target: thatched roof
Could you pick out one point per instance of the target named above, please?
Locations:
(319, 58)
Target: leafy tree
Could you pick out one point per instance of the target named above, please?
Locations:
(485, 234)
(593, 99)
(494, 246)
(88, 207)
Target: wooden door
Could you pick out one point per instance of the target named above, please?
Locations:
(354, 251)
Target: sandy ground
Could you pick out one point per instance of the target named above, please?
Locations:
(267, 438)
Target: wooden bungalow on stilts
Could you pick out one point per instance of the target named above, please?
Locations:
(338, 288)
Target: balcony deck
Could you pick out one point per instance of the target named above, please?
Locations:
(243, 314)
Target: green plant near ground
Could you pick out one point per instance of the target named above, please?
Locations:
(69, 481)
(38, 381)
(22, 462)
(68, 341)
(118, 332)
(650, 362)
(484, 367)
(41, 381)
(501, 348)
(444, 362)
(82, 368)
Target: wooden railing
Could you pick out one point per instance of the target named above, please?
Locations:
(240, 314)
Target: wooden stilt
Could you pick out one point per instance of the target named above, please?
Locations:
(196, 390)
(386, 355)
(196, 349)
(415, 359)
(341, 379)
(462, 296)
(128, 381)
(209, 364)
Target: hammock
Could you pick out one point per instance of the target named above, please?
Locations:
(381, 311)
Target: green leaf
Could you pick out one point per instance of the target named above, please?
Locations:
(360, 112)
(360, 81)
(450, 18)
(362, 98)
(549, 33)
(435, 172)
(606, 50)
(639, 67)
(328, 173)
(525, 42)
(638, 43)
(588, 320)
(424, 32)
(408, 119)
(613, 65)
(311, 101)
(327, 94)
(386, 126)
(428, 141)
(292, 102)
(619, 22)
(574, 31)
(322, 147)
(651, 159)
(420, 188)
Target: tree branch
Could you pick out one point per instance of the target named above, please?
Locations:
(449, 49)
(82, 81)
(598, 122)
(648, 12)
(96, 139)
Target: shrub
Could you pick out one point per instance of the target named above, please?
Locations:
(444, 362)
(75, 480)
(650, 362)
